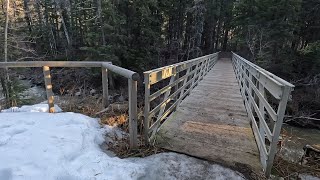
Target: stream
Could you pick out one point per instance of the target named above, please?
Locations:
(33, 94)
(294, 139)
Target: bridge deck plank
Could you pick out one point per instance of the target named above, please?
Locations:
(212, 122)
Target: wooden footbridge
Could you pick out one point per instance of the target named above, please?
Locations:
(227, 110)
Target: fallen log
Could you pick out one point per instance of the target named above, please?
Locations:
(311, 156)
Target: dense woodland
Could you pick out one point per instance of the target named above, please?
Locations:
(282, 36)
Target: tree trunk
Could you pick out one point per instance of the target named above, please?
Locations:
(6, 32)
(99, 11)
(225, 41)
(65, 29)
(27, 15)
(6, 79)
(218, 35)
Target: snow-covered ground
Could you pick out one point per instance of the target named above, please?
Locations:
(65, 146)
(43, 107)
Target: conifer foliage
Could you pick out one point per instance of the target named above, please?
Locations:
(283, 36)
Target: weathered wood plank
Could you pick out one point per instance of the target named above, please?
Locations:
(105, 88)
(133, 118)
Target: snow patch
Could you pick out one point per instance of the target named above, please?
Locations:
(178, 166)
(66, 146)
(308, 177)
(32, 108)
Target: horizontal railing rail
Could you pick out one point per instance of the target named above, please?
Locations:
(132, 77)
(265, 96)
(180, 79)
(51, 64)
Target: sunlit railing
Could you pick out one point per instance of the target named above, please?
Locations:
(266, 97)
(167, 86)
(105, 66)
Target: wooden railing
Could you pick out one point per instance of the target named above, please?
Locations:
(105, 66)
(265, 96)
(165, 88)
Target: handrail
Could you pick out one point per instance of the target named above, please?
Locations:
(122, 71)
(51, 64)
(178, 64)
(184, 76)
(269, 74)
(132, 77)
(254, 83)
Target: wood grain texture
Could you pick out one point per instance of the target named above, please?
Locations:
(212, 122)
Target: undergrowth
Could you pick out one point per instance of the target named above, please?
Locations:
(289, 170)
(92, 105)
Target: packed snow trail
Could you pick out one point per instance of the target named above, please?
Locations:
(65, 146)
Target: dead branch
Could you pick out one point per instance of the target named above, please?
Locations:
(116, 107)
(32, 58)
(301, 117)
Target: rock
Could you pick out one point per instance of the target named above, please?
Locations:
(22, 77)
(121, 98)
(275, 177)
(110, 98)
(92, 91)
(311, 154)
(78, 93)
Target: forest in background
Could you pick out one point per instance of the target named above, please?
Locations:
(282, 36)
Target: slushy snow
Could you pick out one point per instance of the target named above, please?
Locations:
(66, 146)
(43, 107)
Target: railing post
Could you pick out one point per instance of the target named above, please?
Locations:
(133, 113)
(195, 75)
(184, 87)
(261, 108)
(176, 87)
(277, 128)
(48, 84)
(105, 89)
(261, 127)
(206, 70)
(146, 108)
(250, 93)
